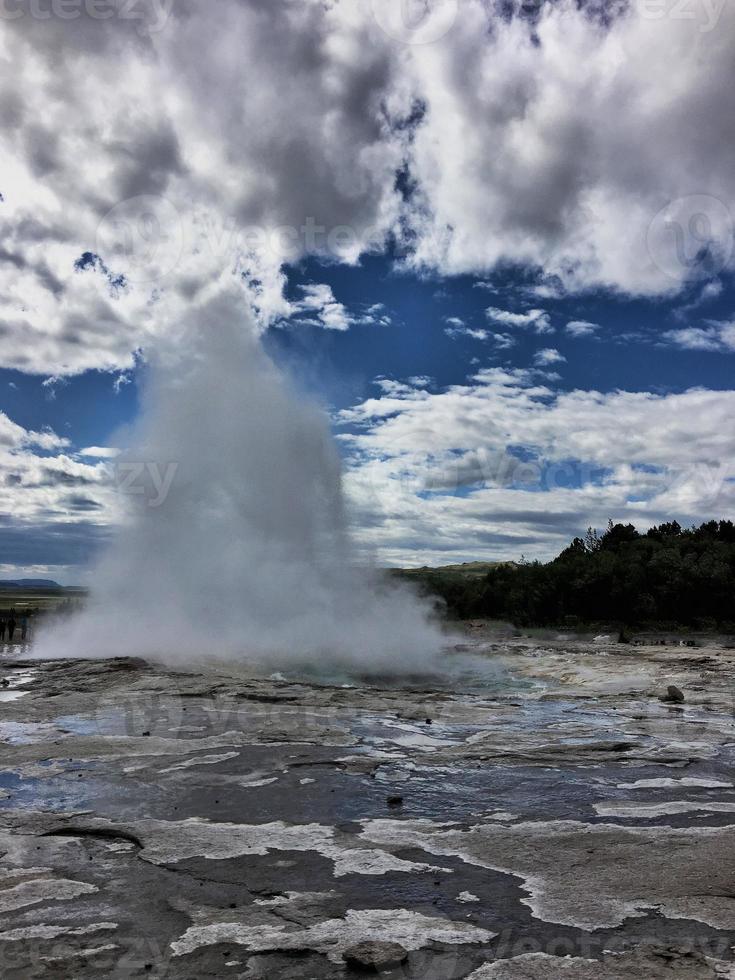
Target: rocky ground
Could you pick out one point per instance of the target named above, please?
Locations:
(535, 812)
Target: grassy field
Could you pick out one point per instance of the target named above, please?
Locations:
(41, 600)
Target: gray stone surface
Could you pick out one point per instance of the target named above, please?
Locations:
(374, 956)
(558, 819)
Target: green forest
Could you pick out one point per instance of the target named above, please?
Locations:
(668, 576)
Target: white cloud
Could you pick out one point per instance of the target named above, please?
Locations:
(521, 159)
(375, 313)
(503, 341)
(319, 307)
(222, 145)
(581, 328)
(537, 320)
(232, 149)
(709, 292)
(56, 507)
(14, 437)
(389, 386)
(550, 287)
(715, 337)
(320, 300)
(99, 452)
(458, 328)
(547, 356)
(632, 456)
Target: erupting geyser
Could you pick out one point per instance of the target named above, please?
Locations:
(236, 543)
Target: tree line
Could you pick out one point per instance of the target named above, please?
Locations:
(668, 576)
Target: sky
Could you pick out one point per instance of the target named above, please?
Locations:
(493, 240)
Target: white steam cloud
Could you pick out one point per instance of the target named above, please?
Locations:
(237, 544)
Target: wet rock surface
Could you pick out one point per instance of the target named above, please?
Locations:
(674, 695)
(373, 957)
(556, 818)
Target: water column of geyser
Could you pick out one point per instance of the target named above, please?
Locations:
(247, 554)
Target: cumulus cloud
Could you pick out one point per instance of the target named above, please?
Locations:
(581, 328)
(318, 306)
(506, 464)
(143, 166)
(319, 300)
(715, 337)
(121, 214)
(503, 341)
(524, 154)
(57, 506)
(99, 452)
(709, 292)
(536, 320)
(458, 328)
(547, 356)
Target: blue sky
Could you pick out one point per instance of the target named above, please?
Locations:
(416, 338)
(417, 343)
(494, 241)
(629, 350)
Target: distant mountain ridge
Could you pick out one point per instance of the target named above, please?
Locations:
(469, 569)
(29, 583)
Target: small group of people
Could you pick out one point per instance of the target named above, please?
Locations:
(12, 622)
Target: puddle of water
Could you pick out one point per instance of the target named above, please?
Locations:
(6, 696)
(21, 733)
(103, 722)
(19, 679)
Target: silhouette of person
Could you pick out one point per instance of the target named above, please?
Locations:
(2, 629)
(11, 628)
(24, 627)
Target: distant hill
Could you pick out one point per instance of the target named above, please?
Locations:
(668, 576)
(8, 585)
(468, 569)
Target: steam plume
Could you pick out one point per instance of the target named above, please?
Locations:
(246, 553)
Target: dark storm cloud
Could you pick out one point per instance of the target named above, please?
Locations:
(145, 161)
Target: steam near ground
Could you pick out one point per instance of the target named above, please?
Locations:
(236, 544)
